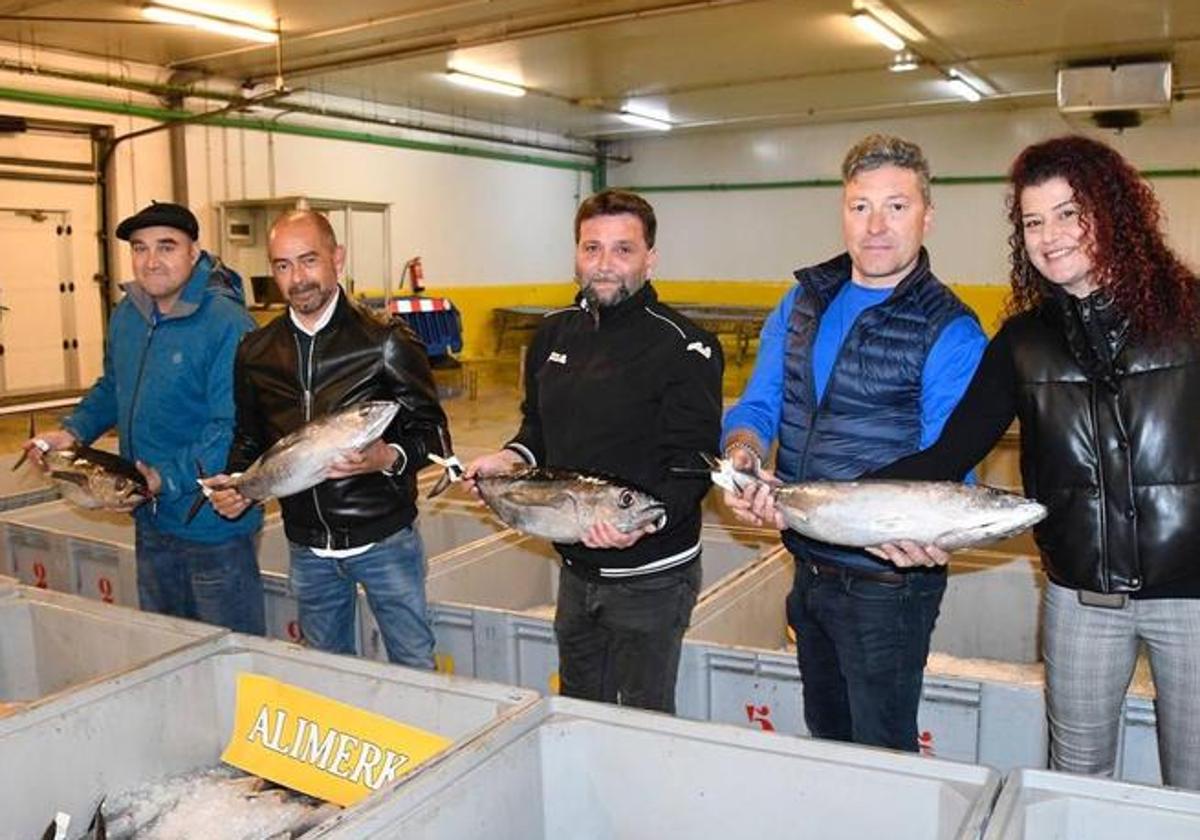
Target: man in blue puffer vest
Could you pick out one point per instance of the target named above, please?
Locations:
(167, 387)
(861, 363)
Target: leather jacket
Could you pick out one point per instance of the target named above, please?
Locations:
(1109, 445)
(354, 358)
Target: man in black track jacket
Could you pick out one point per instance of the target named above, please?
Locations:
(622, 385)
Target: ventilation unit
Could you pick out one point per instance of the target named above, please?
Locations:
(1115, 95)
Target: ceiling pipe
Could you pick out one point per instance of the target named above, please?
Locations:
(337, 30)
(586, 150)
(504, 32)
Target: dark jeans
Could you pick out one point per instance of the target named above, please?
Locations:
(217, 583)
(862, 646)
(619, 641)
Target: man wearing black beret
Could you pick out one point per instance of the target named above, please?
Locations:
(167, 387)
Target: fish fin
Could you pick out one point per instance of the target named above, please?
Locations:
(98, 829)
(196, 505)
(714, 463)
(453, 472)
(25, 452)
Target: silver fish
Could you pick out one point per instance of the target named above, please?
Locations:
(946, 514)
(560, 505)
(94, 479)
(299, 461)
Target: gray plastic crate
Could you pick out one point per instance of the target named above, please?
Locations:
(51, 642)
(746, 665)
(58, 546)
(493, 602)
(586, 770)
(983, 698)
(26, 486)
(1040, 805)
(175, 715)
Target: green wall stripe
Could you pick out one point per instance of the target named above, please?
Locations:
(167, 115)
(827, 183)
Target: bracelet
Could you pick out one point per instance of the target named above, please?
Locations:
(745, 447)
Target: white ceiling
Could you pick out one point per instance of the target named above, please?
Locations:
(705, 64)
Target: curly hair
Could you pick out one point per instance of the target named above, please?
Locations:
(1130, 256)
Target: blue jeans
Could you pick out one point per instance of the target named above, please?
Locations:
(217, 583)
(861, 645)
(393, 574)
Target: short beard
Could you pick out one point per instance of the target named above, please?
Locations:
(308, 287)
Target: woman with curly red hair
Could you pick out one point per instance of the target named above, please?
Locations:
(1100, 362)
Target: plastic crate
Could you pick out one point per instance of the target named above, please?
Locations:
(587, 770)
(51, 642)
(175, 715)
(1040, 805)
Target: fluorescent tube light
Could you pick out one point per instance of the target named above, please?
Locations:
(902, 62)
(644, 121)
(470, 80)
(964, 90)
(209, 24)
(221, 11)
(871, 25)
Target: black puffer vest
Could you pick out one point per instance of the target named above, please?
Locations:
(870, 414)
(1109, 445)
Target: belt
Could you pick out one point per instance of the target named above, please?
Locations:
(828, 571)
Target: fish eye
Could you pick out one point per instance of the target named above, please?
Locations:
(120, 483)
(625, 499)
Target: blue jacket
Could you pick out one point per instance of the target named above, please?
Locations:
(167, 387)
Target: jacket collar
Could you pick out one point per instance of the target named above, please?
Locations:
(824, 280)
(339, 313)
(1095, 329)
(608, 316)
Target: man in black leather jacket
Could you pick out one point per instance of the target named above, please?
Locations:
(356, 527)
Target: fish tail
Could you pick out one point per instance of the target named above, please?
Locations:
(452, 472)
(25, 452)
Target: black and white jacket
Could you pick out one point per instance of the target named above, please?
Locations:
(629, 394)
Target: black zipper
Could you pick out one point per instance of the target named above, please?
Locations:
(308, 397)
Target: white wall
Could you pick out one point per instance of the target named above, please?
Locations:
(764, 234)
(473, 221)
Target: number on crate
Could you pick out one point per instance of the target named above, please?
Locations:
(925, 743)
(294, 632)
(39, 575)
(106, 590)
(760, 715)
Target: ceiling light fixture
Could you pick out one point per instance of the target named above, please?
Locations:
(644, 120)
(871, 25)
(902, 62)
(962, 87)
(208, 23)
(470, 80)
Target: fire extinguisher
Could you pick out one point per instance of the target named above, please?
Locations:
(415, 274)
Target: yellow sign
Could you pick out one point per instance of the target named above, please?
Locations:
(319, 746)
